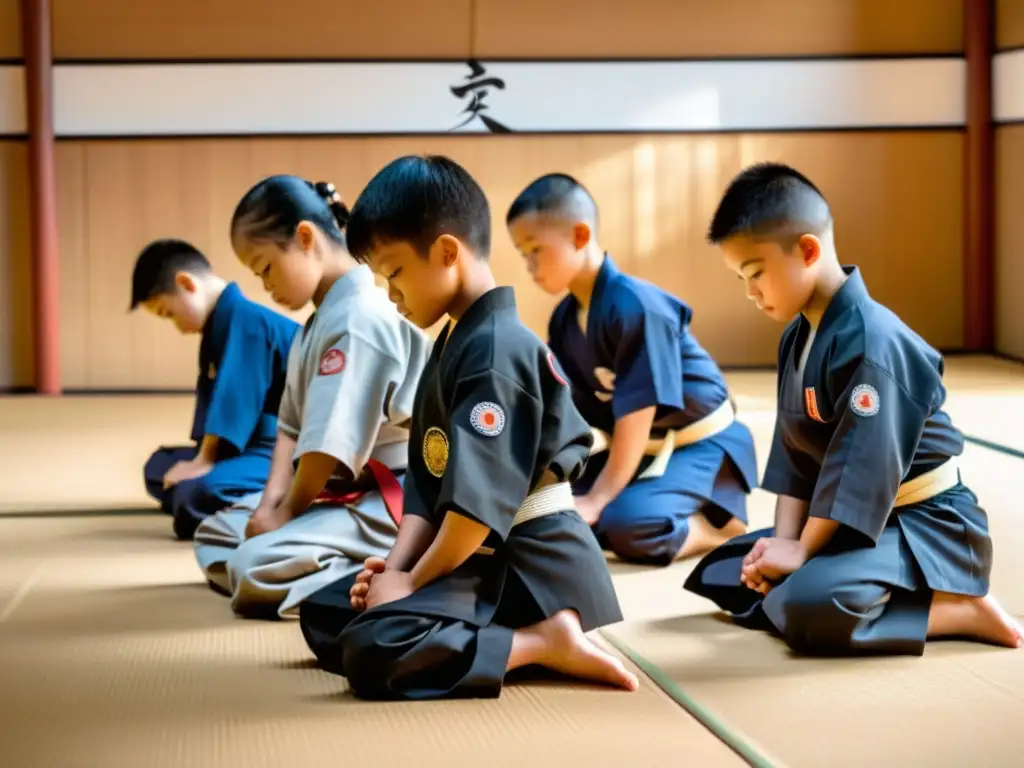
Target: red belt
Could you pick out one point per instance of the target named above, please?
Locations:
(388, 485)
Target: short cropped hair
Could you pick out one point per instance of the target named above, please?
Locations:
(157, 265)
(558, 194)
(273, 209)
(416, 199)
(770, 201)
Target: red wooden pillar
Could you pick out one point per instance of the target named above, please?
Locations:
(36, 43)
(979, 218)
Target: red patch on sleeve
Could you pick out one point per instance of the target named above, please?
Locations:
(332, 362)
(554, 370)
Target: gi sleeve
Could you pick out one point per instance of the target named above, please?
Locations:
(495, 430)
(648, 368)
(243, 377)
(879, 426)
(289, 416)
(345, 400)
(789, 472)
(199, 413)
(413, 502)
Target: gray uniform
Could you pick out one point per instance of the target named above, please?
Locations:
(352, 377)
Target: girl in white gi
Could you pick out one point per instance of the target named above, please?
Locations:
(333, 497)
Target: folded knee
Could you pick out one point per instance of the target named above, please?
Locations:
(190, 503)
(384, 655)
(366, 660)
(647, 538)
(821, 619)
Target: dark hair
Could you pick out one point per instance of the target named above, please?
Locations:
(416, 199)
(770, 200)
(157, 265)
(273, 209)
(555, 193)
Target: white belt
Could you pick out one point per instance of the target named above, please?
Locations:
(929, 485)
(717, 421)
(547, 501)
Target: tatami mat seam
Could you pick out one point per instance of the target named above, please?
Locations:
(993, 446)
(733, 739)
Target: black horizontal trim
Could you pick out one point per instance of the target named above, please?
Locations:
(131, 392)
(1009, 49)
(13, 137)
(108, 392)
(128, 61)
(444, 134)
(993, 446)
(1013, 121)
(11, 62)
(50, 513)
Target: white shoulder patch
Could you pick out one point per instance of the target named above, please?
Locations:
(487, 418)
(864, 400)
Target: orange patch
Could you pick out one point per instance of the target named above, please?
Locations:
(811, 404)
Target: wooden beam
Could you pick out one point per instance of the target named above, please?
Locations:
(37, 46)
(979, 171)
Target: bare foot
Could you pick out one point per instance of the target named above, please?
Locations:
(703, 536)
(559, 644)
(979, 618)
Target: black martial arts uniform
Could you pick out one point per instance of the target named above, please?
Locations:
(492, 418)
(861, 436)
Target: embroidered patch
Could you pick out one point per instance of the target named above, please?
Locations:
(435, 451)
(811, 403)
(864, 400)
(212, 372)
(487, 419)
(554, 370)
(332, 362)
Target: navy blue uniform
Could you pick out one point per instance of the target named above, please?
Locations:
(243, 359)
(494, 437)
(862, 438)
(638, 352)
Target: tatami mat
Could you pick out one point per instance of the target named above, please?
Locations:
(115, 654)
(959, 704)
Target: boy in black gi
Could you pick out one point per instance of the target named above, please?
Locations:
(877, 544)
(493, 569)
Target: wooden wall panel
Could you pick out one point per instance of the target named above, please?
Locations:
(1009, 23)
(897, 198)
(10, 29)
(506, 28)
(716, 28)
(261, 29)
(15, 268)
(1009, 239)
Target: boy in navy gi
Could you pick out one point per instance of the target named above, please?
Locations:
(877, 545)
(673, 466)
(493, 569)
(242, 362)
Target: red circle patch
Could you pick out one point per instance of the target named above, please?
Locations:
(554, 370)
(332, 362)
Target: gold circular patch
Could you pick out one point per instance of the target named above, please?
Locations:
(435, 451)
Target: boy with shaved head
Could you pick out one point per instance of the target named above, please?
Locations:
(671, 466)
